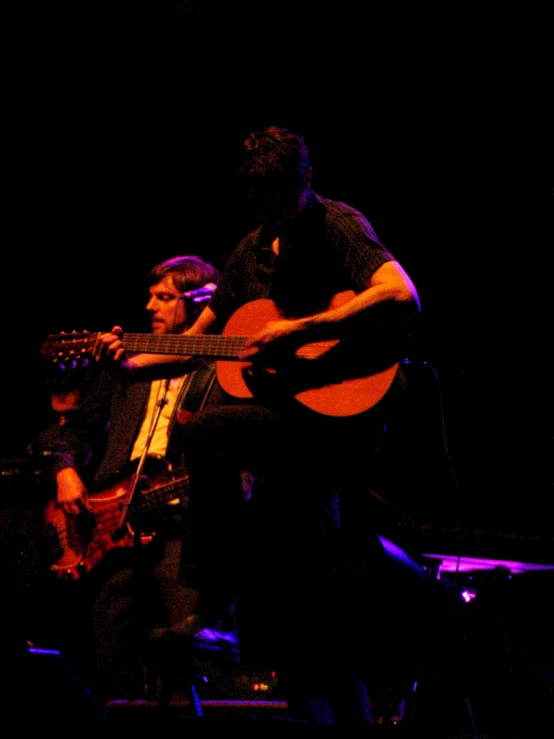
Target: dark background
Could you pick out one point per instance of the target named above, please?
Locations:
(124, 120)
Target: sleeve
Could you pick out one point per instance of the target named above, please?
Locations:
(363, 253)
(65, 448)
(81, 438)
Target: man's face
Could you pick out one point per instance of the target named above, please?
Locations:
(276, 207)
(168, 313)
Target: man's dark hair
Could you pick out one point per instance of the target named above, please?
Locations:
(274, 160)
(189, 272)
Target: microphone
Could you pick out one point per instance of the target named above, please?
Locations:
(201, 294)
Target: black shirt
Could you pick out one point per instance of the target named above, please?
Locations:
(333, 248)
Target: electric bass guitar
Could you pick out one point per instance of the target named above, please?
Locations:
(318, 374)
(82, 541)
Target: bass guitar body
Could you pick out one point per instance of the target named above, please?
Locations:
(84, 540)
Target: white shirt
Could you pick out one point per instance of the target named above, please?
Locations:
(158, 390)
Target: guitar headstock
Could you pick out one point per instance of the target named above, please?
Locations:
(69, 348)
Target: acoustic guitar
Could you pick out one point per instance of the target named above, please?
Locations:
(320, 375)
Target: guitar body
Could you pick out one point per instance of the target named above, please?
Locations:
(85, 540)
(345, 398)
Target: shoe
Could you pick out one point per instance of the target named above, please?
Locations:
(205, 634)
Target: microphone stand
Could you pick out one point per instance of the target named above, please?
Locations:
(121, 529)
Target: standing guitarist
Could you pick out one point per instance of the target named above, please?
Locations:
(337, 308)
(114, 454)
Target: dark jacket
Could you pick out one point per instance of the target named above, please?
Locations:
(98, 439)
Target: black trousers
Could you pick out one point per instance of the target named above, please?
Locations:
(300, 462)
(319, 595)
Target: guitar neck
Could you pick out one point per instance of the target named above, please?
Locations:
(206, 345)
(163, 494)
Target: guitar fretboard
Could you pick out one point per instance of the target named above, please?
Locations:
(164, 493)
(214, 346)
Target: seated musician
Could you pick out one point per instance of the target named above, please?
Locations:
(116, 588)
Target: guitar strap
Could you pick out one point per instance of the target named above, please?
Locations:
(198, 388)
(195, 393)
